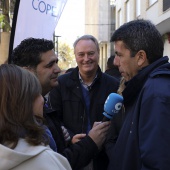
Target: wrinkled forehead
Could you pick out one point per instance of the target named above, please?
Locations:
(87, 44)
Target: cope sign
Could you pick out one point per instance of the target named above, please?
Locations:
(44, 7)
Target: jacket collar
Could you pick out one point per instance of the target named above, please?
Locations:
(134, 86)
(73, 81)
(75, 73)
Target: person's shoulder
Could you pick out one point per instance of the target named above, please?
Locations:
(113, 72)
(70, 75)
(110, 78)
(53, 160)
(32, 155)
(157, 80)
(64, 76)
(161, 71)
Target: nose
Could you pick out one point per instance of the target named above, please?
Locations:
(86, 57)
(57, 69)
(116, 61)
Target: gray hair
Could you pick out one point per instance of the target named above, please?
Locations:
(87, 37)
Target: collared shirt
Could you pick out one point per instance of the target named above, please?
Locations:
(86, 86)
(86, 94)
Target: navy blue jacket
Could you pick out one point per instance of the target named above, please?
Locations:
(144, 139)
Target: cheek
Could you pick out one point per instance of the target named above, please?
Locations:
(79, 60)
(45, 77)
(40, 109)
(38, 106)
(122, 64)
(96, 59)
(116, 61)
(125, 63)
(41, 77)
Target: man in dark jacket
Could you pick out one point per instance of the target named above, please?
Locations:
(80, 95)
(143, 141)
(38, 56)
(111, 69)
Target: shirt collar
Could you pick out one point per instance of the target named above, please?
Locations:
(87, 86)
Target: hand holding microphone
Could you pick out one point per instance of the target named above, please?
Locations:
(99, 130)
(112, 105)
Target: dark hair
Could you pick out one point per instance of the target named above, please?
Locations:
(28, 52)
(112, 69)
(138, 35)
(110, 62)
(18, 90)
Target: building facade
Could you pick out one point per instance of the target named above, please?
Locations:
(102, 17)
(157, 11)
(100, 22)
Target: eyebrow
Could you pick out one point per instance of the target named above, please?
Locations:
(53, 61)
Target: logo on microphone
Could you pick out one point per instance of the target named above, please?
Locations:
(113, 105)
(118, 106)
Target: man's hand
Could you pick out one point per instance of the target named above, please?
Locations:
(77, 138)
(99, 131)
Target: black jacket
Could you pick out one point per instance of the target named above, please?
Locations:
(78, 154)
(67, 100)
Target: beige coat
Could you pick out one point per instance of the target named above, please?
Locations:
(27, 157)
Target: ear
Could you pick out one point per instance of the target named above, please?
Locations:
(142, 60)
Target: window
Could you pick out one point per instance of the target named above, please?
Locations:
(166, 4)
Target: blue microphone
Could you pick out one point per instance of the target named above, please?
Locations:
(112, 105)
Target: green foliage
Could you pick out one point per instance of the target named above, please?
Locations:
(4, 24)
(7, 8)
(66, 55)
(1, 21)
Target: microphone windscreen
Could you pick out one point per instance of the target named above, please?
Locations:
(112, 105)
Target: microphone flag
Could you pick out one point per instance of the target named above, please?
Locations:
(35, 18)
